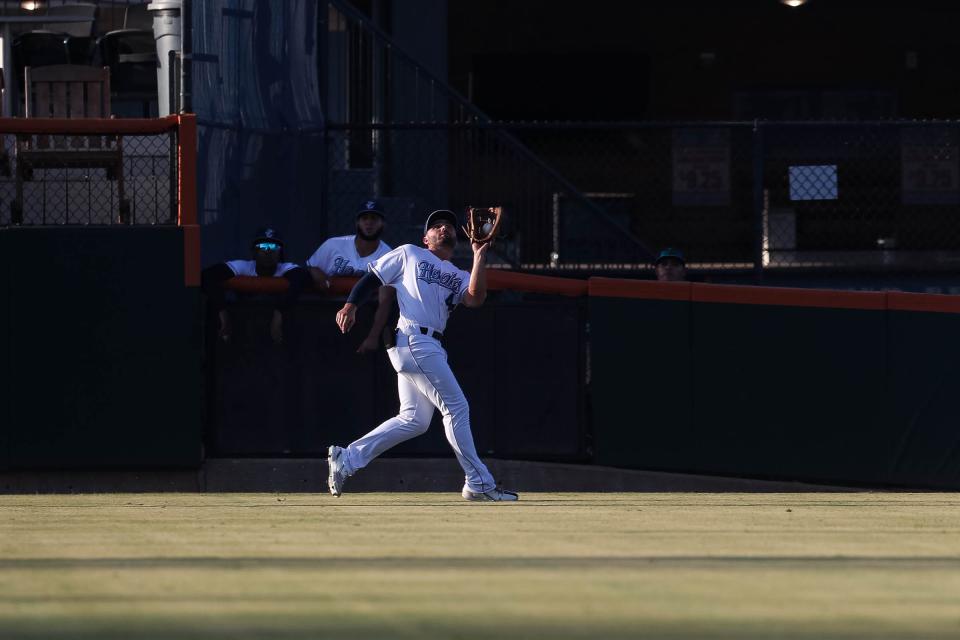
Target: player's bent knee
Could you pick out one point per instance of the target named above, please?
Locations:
(416, 424)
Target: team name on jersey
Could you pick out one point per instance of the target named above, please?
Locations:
(341, 266)
(433, 275)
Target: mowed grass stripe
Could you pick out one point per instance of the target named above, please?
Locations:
(857, 565)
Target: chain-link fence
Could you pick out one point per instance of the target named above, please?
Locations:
(758, 195)
(416, 168)
(48, 177)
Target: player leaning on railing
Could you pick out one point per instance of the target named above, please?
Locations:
(267, 262)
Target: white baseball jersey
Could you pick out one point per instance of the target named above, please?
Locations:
(249, 268)
(338, 257)
(428, 288)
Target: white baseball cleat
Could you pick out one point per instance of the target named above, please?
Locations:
(336, 477)
(494, 495)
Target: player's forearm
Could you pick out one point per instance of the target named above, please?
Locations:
(385, 298)
(477, 289)
(320, 280)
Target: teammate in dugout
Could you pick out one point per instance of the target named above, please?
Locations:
(428, 288)
(349, 256)
(267, 262)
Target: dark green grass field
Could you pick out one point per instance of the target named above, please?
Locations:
(404, 565)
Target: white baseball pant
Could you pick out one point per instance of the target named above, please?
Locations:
(424, 381)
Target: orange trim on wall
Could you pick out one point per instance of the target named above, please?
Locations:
(191, 255)
(789, 297)
(932, 302)
(255, 284)
(187, 169)
(127, 126)
(499, 279)
(652, 290)
(649, 289)
(341, 286)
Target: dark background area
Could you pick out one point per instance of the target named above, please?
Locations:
(609, 60)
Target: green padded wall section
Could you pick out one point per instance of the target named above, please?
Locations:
(105, 349)
(640, 381)
(792, 392)
(924, 392)
(5, 312)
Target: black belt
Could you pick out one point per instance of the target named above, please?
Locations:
(426, 332)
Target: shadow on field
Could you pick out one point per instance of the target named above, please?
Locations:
(601, 563)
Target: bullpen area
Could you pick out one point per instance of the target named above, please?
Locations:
(428, 565)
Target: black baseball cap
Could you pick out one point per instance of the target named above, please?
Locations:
(670, 252)
(267, 234)
(437, 216)
(370, 206)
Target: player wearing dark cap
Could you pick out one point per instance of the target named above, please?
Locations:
(428, 288)
(267, 262)
(350, 255)
(671, 266)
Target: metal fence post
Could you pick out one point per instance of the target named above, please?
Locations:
(758, 201)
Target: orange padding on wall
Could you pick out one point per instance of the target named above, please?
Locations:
(899, 301)
(681, 291)
(499, 279)
(647, 289)
(67, 126)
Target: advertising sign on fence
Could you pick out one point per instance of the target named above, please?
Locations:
(701, 167)
(930, 173)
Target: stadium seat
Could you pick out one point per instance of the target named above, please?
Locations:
(131, 55)
(68, 91)
(38, 49)
(80, 34)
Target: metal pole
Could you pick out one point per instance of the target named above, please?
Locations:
(758, 201)
(186, 56)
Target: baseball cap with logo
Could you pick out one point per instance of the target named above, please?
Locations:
(437, 216)
(370, 206)
(670, 252)
(267, 234)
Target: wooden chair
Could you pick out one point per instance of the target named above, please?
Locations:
(68, 91)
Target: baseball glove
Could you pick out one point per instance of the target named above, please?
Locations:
(483, 223)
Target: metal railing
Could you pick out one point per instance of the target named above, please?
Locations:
(733, 195)
(581, 196)
(90, 171)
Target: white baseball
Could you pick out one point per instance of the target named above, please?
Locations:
(486, 228)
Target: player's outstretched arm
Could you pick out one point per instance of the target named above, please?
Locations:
(477, 289)
(365, 286)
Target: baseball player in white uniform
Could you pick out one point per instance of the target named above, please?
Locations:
(428, 288)
(350, 255)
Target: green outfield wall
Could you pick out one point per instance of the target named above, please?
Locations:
(520, 363)
(103, 366)
(6, 310)
(820, 386)
(102, 352)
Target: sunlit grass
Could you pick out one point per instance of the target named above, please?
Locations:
(404, 565)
